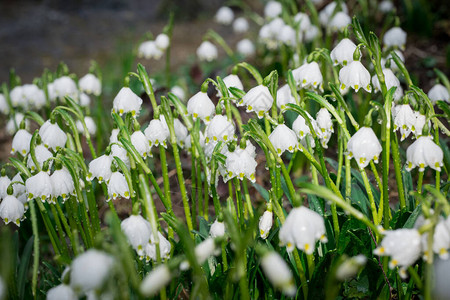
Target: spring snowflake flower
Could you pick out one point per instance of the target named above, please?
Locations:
(395, 37)
(308, 75)
(245, 47)
(224, 15)
(179, 92)
(327, 12)
(339, 22)
(39, 186)
(386, 6)
(350, 267)
(402, 245)
(311, 34)
(283, 138)
(84, 100)
(90, 84)
(419, 124)
(240, 25)
(207, 51)
(118, 186)
(355, 75)
(100, 168)
(390, 79)
(4, 184)
(287, 35)
(325, 126)
(138, 232)
(302, 129)
(302, 21)
(188, 142)
(61, 291)
(240, 164)
(364, 146)
(162, 41)
(90, 125)
(62, 184)
(201, 106)
(217, 229)
(424, 153)
(11, 210)
(4, 107)
(17, 97)
(272, 9)
(18, 188)
(231, 80)
(21, 142)
(150, 248)
(149, 49)
(302, 229)
(127, 101)
(14, 123)
(42, 154)
(34, 96)
(120, 152)
(114, 134)
(258, 99)
(156, 133)
(90, 270)
(205, 249)
(343, 52)
(284, 97)
(441, 240)
(404, 120)
(220, 129)
(141, 143)
(438, 92)
(157, 279)
(65, 86)
(265, 224)
(278, 272)
(52, 135)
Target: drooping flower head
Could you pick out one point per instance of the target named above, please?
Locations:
(201, 106)
(52, 135)
(90, 84)
(308, 75)
(343, 52)
(364, 146)
(424, 153)
(258, 99)
(127, 101)
(283, 138)
(207, 51)
(356, 76)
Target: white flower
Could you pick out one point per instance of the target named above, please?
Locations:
(17, 97)
(424, 153)
(179, 92)
(364, 146)
(118, 186)
(11, 210)
(301, 128)
(391, 61)
(265, 224)
(224, 15)
(162, 41)
(157, 279)
(278, 272)
(18, 188)
(21, 142)
(390, 79)
(339, 21)
(438, 92)
(386, 6)
(137, 231)
(201, 106)
(150, 248)
(302, 229)
(395, 37)
(273, 9)
(90, 270)
(90, 84)
(240, 25)
(283, 138)
(311, 34)
(140, 142)
(100, 168)
(343, 52)
(308, 75)
(181, 132)
(441, 270)
(113, 137)
(42, 154)
(404, 120)
(61, 292)
(441, 239)
(84, 100)
(258, 99)
(34, 96)
(207, 51)
(65, 86)
(120, 152)
(217, 229)
(90, 125)
(157, 133)
(233, 80)
(287, 35)
(187, 140)
(149, 49)
(350, 267)
(62, 184)
(14, 123)
(284, 97)
(240, 163)
(205, 249)
(402, 245)
(39, 186)
(4, 107)
(419, 124)
(220, 129)
(302, 21)
(127, 101)
(52, 136)
(4, 184)
(325, 126)
(245, 47)
(355, 75)
(327, 12)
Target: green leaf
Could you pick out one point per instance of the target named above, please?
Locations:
(315, 204)
(22, 275)
(255, 73)
(413, 217)
(262, 191)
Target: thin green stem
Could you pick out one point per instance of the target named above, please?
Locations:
(36, 247)
(398, 171)
(373, 206)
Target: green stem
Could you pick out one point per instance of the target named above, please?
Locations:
(165, 174)
(370, 195)
(62, 238)
(36, 247)
(398, 171)
(66, 227)
(247, 198)
(419, 183)
(301, 273)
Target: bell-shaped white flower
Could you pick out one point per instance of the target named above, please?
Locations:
(157, 133)
(113, 137)
(205, 249)
(39, 186)
(84, 100)
(245, 47)
(179, 92)
(42, 154)
(11, 210)
(17, 97)
(224, 15)
(438, 92)
(62, 184)
(90, 84)
(392, 65)
(273, 9)
(258, 99)
(350, 267)
(355, 75)
(395, 37)
(424, 153)
(157, 279)
(441, 240)
(149, 49)
(207, 51)
(4, 184)
(35, 97)
(302, 21)
(52, 135)
(287, 35)
(141, 143)
(100, 168)
(220, 129)
(339, 21)
(404, 120)
(343, 52)
(217, 229)
(61, 292)
(402, 245)
(65, 86)
(278, 272)
(325, 126)
(137, 231)
(18, 188)
(232, 80)
(188, 142)
(127, 101)
(90, 270)
(240, 164)
(265, 224)
(390, 79)
(162, 41)
(386, 6)
(302, 129)
(284, 97)
(118, 186)
(283, 138)
(302, 229)
(90, 125)
(120, 152)
(13, 124)
(21, 142)
(327, 12)
(150, 248)
(419, 123)
(364, 146)
(4, 107)
(308, 75)
(201, 106)
(240, 25)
